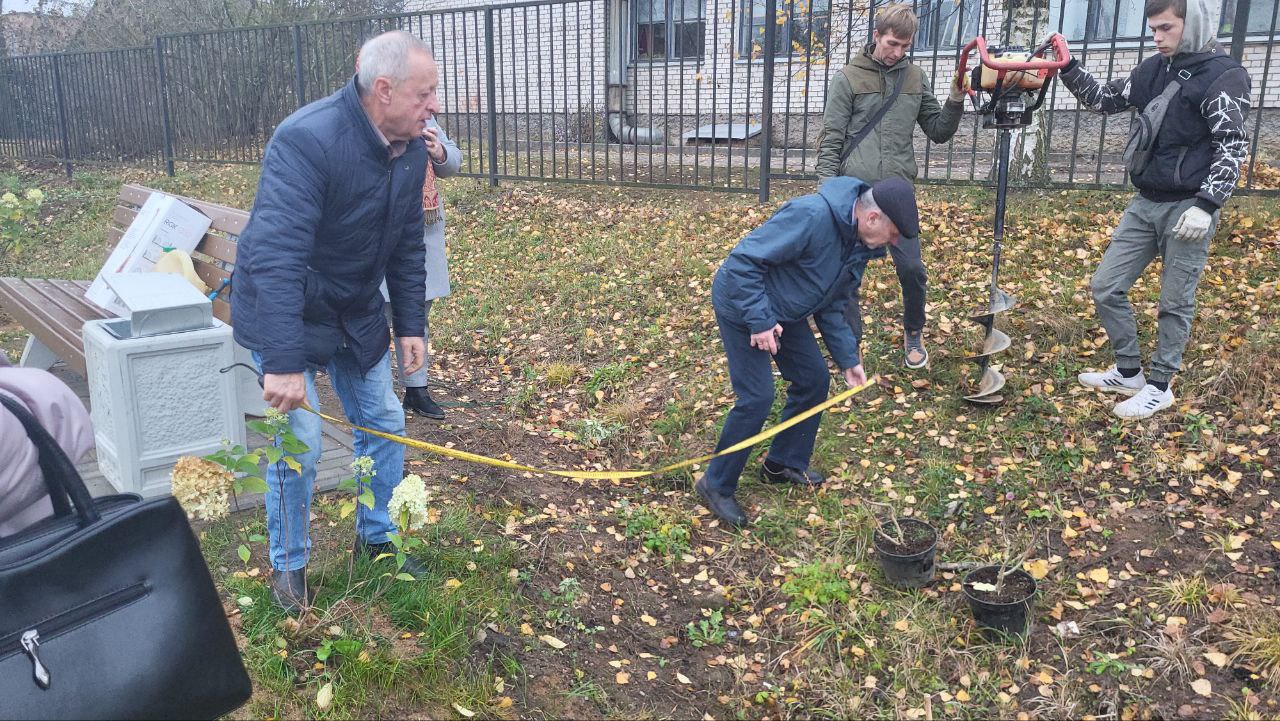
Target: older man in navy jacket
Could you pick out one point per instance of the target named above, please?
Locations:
(801, 263)
(339, 206)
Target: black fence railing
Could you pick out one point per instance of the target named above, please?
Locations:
(671, 93)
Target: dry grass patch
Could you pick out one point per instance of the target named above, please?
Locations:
(1254, 637)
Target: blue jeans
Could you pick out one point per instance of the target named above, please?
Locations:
(369, 400)
(751, 374)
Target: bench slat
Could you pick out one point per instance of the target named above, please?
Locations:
(55, 311)
(123, 215)
(211, 274)
(222, 311)
(225, 219)
(214, 246)
(218, 248)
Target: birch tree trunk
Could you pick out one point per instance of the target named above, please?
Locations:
(1028, 24)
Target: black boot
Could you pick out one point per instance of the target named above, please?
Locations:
(418, 400)
(774, 473)
(724, 507)
(412, 566)
(289, 590)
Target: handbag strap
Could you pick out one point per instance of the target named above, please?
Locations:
(875, 119)
(60, 474)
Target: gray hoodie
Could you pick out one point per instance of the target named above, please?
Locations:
(1200, 33)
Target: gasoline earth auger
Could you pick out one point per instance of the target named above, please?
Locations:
(1014, 83)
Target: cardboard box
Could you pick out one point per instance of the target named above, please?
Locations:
(162, 222)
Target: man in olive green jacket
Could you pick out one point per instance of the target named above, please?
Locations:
(856, 94)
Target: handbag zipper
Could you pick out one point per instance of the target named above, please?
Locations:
(30, 643)
(28, 640)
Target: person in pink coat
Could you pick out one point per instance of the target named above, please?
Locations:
(23, 498)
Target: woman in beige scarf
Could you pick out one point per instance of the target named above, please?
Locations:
(445, 160)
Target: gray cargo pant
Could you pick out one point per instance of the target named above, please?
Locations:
(1145, 231)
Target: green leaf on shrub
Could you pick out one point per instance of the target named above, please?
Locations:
(252, 484)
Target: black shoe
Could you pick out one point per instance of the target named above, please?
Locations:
(412, 566)
(724, 507)
(419, 401)
(289, 590)
(772, 473)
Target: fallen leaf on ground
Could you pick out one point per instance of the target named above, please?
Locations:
(324, 699)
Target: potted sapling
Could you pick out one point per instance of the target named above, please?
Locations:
(906, 549)
(1000, 596)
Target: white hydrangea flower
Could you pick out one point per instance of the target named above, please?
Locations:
(362, 466)
(202, 487)
(410, 501)
(35, 195)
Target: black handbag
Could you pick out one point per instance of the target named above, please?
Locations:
(107, 609)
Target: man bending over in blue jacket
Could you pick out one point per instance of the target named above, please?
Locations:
(339, 206)
(800, 263)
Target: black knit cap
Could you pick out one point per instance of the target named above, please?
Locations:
(897, 199)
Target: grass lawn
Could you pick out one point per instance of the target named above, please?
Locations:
(580, 335)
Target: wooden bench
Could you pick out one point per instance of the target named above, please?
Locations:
(55, 311)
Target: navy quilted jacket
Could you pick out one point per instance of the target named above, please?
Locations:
(333, 215)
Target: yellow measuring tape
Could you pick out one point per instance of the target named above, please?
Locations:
(603, 475)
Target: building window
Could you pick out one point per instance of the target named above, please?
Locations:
(1102, 20)
(1099, 20)
(668, 29)
(804, 28)
(1262, 17)
(942, 22)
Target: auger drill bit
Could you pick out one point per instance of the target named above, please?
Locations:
(990, 380)
(1014, 83)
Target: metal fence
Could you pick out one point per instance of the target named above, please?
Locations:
(669, 93)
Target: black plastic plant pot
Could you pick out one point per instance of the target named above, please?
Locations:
(909, 564)
(1005, 613)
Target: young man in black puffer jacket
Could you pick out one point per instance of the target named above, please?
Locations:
(1192, 168)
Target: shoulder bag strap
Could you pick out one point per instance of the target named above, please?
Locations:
(875, 119)
(60, 474)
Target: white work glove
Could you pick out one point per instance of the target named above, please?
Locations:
(959, 88)
(1193, 226)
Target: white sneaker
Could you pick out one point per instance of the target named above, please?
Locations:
(1148, 401)
(1111, 380)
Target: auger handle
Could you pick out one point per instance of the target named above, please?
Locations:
(1048, 68)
